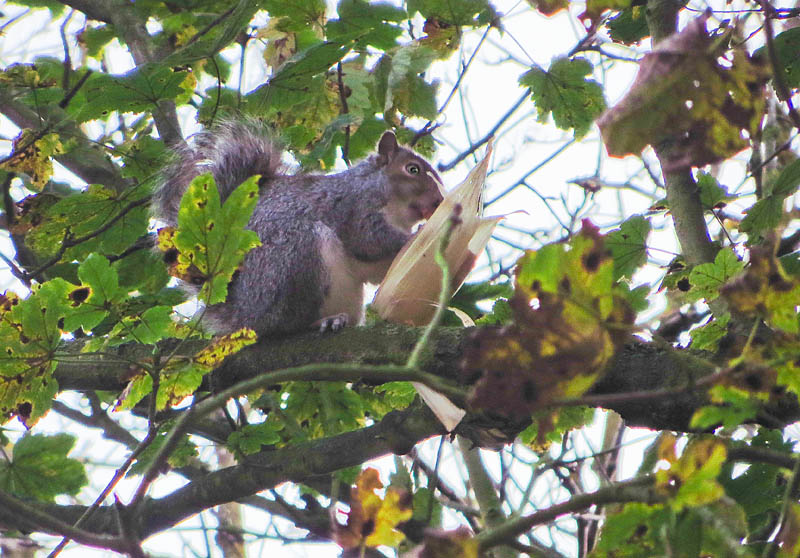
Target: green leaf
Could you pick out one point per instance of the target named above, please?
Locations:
(464, 12)
(426, 508)
(142, 271)
(29, 335)
(300, 13)
(215, 37)
(712, 195)
(324, 408)
(99, 279)
(764, 215)
(791, 263)
(691, 480)
(177, 384)
(136, 91)
(251, 438)
(94, 39)
(399, 395)
(787, 47)
(85, 213)
(290, 85)
(56, 8)
(634, 532)
(735, 407)
(368, 23)
(629, 26)
(153, 325)
(211, 237)
(137, 389)
(787, 181)
(400, 86)
(564, 90)
(759, 488)
(501, 314)
(141, 156)
(470, 297)
(628, 246)
(707, 278)
(40, 468)
(706, 337)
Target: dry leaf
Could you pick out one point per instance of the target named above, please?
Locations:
(410, 291)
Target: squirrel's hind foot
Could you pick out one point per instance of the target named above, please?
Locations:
(332, 323)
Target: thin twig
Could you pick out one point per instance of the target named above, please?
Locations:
(119, 474)
(444, 293)
(324, 372)
(489, 135)
(788, 500)
(527, 175)
(777, 72)
(69, 241)
(42, 520)
(75, 88)
(67, 60)
(345, 110)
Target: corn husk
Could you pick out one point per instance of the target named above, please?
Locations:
(410, 291)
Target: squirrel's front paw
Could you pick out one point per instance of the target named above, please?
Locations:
(332, 323)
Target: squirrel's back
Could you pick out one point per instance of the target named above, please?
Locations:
(232, 151)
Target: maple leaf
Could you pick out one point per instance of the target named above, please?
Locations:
(372, 520)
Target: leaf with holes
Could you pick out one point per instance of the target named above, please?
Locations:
(211, 237)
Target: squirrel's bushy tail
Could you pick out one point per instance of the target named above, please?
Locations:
(232, 151)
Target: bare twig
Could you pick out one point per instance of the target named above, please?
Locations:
(777, 72)
(472, 148)
(70, 241)
(345, 110)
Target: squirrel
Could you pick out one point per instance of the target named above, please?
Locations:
(323, 235)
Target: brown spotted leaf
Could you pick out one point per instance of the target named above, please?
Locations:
(211, 235)
(569, 316)
(765, 290)
(33, 156)
(224, 346)
(684, 96)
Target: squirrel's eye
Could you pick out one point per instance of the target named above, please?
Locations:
(412, 168)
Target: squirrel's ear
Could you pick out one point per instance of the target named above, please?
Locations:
(387, 146)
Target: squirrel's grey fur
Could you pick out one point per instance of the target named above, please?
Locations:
(323, 236)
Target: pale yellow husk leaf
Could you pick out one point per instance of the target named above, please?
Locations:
(410, 291)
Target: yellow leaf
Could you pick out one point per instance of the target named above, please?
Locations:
(224, 346)
(372, 520)
(33, 157)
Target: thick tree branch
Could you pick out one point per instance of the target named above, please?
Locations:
(314, 460)
(683, 195)
(637, 367)
(397, 432)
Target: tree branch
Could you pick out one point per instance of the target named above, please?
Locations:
(397, 433)
(637, 490)
(683, 194)
(637, 367)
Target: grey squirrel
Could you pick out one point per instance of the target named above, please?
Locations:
(323, 236)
